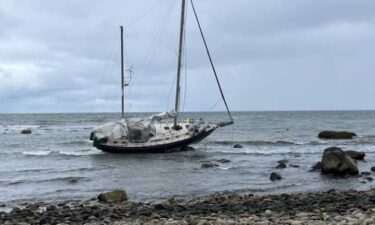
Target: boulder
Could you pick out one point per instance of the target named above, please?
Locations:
(26, 131)
(237, 146)
(208, 165)
(275, 176)
(116, 196)
(336, 135)
(336, 161)
(356, 155)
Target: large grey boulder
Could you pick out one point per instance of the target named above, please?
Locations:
(116, 196)
(336, 135)
(336, 161)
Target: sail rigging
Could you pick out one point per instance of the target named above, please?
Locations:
(211, 62)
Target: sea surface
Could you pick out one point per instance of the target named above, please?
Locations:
(58, 163)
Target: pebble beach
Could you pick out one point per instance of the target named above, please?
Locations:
(330, 207)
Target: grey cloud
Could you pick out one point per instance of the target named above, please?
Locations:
(270, 55)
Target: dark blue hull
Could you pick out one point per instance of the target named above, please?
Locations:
(170, 147)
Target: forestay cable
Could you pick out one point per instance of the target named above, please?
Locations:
(212, 64)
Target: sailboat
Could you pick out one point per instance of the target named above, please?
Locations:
(163, 132)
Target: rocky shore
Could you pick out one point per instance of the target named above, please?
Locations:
(331, 207)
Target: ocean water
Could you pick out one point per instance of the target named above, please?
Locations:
(57, 161)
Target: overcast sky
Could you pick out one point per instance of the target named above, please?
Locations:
(63, 55)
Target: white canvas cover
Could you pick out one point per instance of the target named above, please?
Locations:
(134, 129)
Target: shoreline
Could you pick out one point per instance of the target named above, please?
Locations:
(328, 207)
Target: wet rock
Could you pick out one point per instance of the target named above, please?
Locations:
(316, 167)
(275, 176)
(208, 165)
(237, 146)
(281, 166)
(356, 155)
(116, 196)
(366, 173)
(294, 166)
(373, 169)
(336, 135)
(284, 161)
(33, 207)
(26, 131)
(223, 160)
(336, 161)
(188, 148)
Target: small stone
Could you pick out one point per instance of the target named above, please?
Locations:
(223, 160)
(296, 222)
(281, 166)
(284, 161)
(275, 176)
(373, 169)
(366, 173)
(237, 146)
(208, 165)
(116, 196)
(302, 214)
(268, 212)
(203, 222)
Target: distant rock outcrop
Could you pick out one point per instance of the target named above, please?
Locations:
(26, 131)
(116, 196)
(336, 161)
(336, 135)
(237, 146)
(356, 155)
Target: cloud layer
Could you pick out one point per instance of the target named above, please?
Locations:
(63, 56)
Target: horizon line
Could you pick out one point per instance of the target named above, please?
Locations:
(221, 111)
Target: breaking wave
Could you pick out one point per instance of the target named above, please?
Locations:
(260, 142)
(63, 152)
(37, 153)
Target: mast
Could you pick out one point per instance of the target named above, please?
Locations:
(122, 71)
(181, 42)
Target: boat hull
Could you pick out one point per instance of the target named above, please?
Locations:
(168, 147)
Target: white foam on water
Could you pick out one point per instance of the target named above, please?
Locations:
(36, 152)
(81, 153)
(225, 167)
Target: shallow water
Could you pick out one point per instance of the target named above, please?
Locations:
(58, 162)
